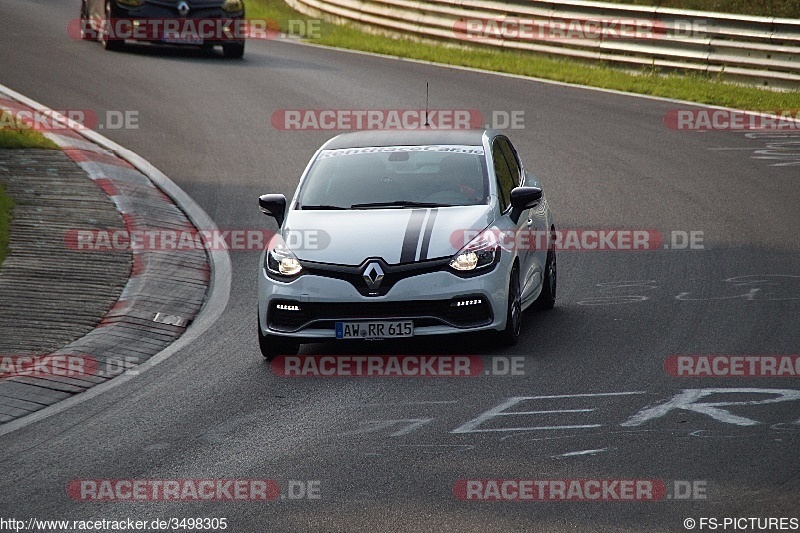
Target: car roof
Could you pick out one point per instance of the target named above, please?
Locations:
(367, 138)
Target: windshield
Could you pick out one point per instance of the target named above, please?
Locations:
(396, 177)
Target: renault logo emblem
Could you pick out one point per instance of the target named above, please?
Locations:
(373, 275)
(183, 9)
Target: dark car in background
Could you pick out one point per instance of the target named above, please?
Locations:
(204, 23)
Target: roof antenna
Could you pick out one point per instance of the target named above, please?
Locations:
(426, 105)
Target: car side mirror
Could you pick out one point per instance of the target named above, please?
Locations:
(523, 198)
(273, 205)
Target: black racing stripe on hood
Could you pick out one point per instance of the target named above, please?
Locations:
(411, 239)
(426, 238)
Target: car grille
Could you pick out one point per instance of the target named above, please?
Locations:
(282, 315)
(392, 273)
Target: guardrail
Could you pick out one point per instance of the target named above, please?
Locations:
(760, 50)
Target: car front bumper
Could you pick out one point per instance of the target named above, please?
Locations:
(431, 300)
(158, 24)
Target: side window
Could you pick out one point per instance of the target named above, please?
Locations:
(505, 179)
(511, 159)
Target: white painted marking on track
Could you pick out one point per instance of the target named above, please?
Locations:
(373, 426)
(688, 400)
(439, 448)
(586, 395)
(409, 403)
(516, 435)
(554, 411)
(582, 452)
(473, 425)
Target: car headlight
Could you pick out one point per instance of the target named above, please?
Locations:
(233, 6)
(480, 252)
(281, 261)
(131, 3)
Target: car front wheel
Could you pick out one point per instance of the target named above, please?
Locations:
(272, 346)
(547, 298)
(87, 32)
(107, 33)
(510, 335)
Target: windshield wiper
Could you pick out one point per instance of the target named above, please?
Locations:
(322, 207)
(398, 203)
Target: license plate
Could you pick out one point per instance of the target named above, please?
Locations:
(183, 38)
(374, 330)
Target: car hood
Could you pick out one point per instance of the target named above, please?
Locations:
(395, 235)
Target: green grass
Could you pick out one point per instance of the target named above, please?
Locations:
(766, 8)
(15, 136)
(6, 203)
(19, 136)
(693, 87)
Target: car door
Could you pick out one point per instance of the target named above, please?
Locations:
(531, 225)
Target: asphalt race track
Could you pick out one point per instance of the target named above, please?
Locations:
(388, 453)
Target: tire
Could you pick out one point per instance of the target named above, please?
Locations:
(87, 32)
(547, 298)
(113, 45)
(233, 50)
(510, 335)
(272, 346)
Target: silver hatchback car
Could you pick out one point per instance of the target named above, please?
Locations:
(414, 233)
